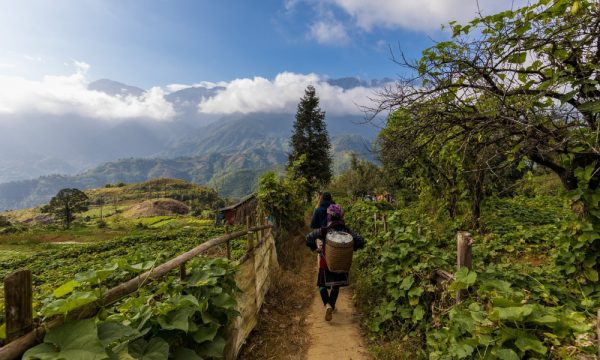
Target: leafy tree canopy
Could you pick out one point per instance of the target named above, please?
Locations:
(66, 204)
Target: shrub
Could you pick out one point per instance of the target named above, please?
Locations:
(4, 222)
(101, 224)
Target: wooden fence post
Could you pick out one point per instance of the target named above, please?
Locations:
(375, 223)
(385, 224)
(256, 233)
(182, 273)
(464, 257)
(228, 243)
(598, 332)
(250, 236)
(18, 302)
(261, 221)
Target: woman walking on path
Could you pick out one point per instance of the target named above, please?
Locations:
(329, 283)
(319, 218)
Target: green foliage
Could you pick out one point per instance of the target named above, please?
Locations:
(66, 204)
(55, 266)
(310, 141)
(520, 304)
(4, 222)
(101, 224)
(462, 120)
(362, 178)
(283, 198)
(166, 318)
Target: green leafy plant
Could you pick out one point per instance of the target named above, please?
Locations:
(168, 318)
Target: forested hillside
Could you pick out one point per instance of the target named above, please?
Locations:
(233, 173)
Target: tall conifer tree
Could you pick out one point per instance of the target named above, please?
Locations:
(310, 138)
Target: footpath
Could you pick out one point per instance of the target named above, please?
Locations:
(292, 322)
(339, 338)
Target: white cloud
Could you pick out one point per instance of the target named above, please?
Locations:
(6, 65)
(203, 84)
(82, 67)
(423, 15)
(330, 33)
(59, 95)
(35, 58)
(282, 95)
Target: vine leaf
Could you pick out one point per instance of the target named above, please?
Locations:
(527, 342)
(155, 349)
(464, 279)
(63, 306)
(177, 319)
(74, 340)
(214, 348)
(507, 354)
(110, 332)
(205, 333)
(66, 288)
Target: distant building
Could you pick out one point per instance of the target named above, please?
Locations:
(237, 214)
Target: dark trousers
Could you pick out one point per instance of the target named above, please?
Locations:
(329, 294)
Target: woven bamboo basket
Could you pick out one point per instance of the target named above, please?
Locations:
(339, 247)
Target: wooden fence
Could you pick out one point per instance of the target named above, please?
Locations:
(253, 278)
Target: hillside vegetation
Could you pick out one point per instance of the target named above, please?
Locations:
(127, 230)
(523, 301)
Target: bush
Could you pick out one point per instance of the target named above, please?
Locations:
(282, 198)
(101, 224)
(10, 230)
(4, 222)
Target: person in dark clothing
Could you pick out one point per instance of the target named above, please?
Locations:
(329, 283)
(319, 218)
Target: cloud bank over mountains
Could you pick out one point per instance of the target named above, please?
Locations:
(75, 95)
(281, 95)
(70, 95)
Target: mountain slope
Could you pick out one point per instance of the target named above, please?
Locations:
(233, 173)
(229, 152)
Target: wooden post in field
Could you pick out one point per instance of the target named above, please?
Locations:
(598, 331)
(18, 302)
(182, 273)
(464, 256)
(228, 243)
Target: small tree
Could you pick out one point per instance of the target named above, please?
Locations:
(310, 138)
(65, 204)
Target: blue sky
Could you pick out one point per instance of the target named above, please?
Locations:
(262, 53)
(159, 42)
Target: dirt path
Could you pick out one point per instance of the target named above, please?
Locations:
(339, 338)
(292, 324)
